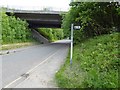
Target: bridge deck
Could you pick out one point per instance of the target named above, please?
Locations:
(39, 18)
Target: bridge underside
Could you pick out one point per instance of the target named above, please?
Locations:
(37, 20)
(39, 23)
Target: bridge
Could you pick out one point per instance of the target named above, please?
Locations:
(39, 18)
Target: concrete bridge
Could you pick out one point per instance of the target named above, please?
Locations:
(39, 18)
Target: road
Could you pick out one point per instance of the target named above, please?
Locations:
(16, 64)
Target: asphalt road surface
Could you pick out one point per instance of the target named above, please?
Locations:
(18, 63)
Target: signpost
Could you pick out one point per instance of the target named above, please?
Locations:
(71, 49)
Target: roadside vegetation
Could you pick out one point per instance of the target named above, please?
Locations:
(17, 45)
(96, 55)
(14, 32)
(95, 64)
(52, 34)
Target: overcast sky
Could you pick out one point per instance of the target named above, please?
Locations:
(36, 4)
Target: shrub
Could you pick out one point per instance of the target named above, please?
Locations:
(51, 33)
(14, 29)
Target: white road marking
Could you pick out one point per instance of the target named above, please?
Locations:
(41, 63)
(12, 82)
(31, 69)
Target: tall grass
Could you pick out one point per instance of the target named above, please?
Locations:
(95, 64)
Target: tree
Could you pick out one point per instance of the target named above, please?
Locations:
(95, 18)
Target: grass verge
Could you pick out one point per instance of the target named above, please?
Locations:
(17, 45)
(95, 64)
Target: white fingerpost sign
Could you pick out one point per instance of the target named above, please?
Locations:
(76, 27)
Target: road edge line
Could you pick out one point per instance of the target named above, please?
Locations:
(11, 83)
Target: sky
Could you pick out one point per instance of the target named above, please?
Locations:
(62, 5)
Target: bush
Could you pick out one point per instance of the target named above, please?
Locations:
(51, 33)
(14, 29)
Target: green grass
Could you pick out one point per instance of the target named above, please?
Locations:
(17, 45)
(95, 64)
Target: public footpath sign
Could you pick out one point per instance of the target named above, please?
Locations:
(76, 27)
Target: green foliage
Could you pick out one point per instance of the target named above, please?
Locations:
(118, 9)
(51, 33)
(0, 25)
(95, 59)
(95, 18)
(14, 29)
(95, 64)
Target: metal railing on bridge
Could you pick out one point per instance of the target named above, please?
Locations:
(42, 10)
